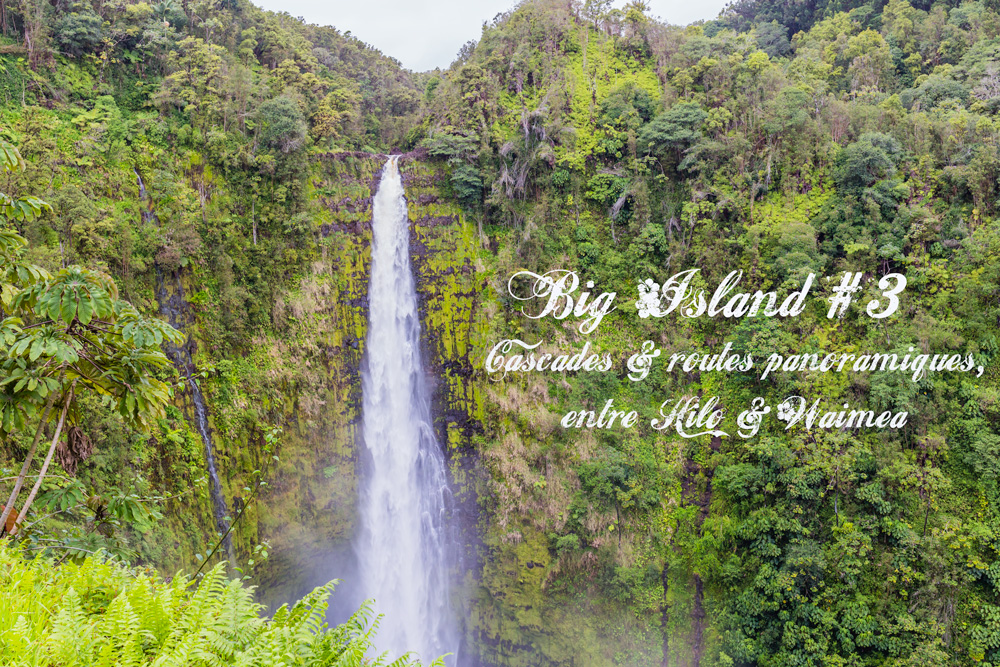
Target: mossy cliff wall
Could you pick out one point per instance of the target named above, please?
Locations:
(189, 517)
(308, 512)
(527, 596)
(524, 600)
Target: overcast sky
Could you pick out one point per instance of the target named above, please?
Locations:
(424, 34)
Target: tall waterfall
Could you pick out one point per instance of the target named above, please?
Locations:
(403, 548)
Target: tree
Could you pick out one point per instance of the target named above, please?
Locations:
(334, 113)
(36, 32)
(596, 11)
(870, 159)
(459, 151)
(772, 39)
(65, 334)
(79, 30)
(627, 106)
(282, 127)
(675, 129)
(196, 80)
(14, 211)
(871, 64)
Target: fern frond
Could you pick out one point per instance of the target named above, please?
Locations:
(99, 613)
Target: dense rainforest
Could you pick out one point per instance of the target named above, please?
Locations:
(185, 230)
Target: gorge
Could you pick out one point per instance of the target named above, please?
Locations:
(347, 413)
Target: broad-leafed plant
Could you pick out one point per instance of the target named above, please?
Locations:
(63, 335)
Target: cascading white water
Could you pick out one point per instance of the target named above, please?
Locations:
(403, 548)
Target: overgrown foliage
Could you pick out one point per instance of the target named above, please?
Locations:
(98, 612)
(780, 139)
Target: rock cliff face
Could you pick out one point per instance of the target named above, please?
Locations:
(521, 599)
(308, 515)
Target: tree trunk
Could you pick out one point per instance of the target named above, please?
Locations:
(665, 615)
(27, 461)
(45, 465)
(618, 527)
(927, 513)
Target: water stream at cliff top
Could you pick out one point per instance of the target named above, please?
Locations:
(403, 549)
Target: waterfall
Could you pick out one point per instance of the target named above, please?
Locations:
(171, 309)
(219, 505)
(403, 548)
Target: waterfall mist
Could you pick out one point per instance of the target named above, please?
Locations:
(403, 548)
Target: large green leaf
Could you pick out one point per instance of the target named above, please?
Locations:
(10, 158)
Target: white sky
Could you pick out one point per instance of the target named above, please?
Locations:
(424, 34)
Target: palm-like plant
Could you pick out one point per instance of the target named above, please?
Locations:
(64, 334)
